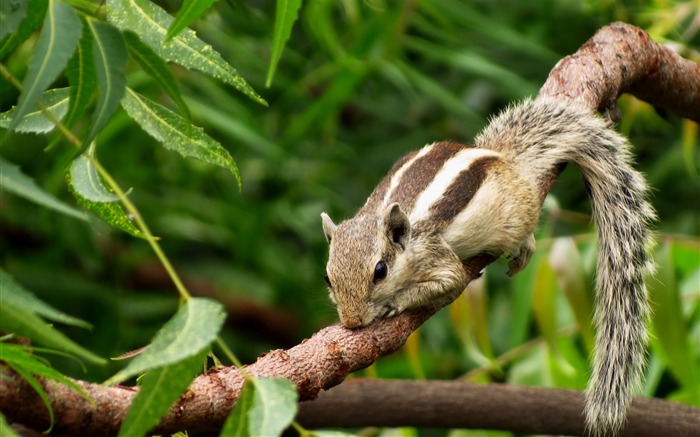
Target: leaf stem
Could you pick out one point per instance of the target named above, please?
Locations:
(130, 207)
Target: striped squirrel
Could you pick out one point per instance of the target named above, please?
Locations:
(447, 202)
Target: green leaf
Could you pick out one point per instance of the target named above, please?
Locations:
(18, 296)
(175, 133)
(36, 13)
(568, 266)
(19, 356)
(32, 381)
(156, 67)
(81, 77)
(669, 322)
(150, 23)
(85, 184)
(274, 406)
(14, 181)
(189, 332)
(28, 324)
(12, 12)
(237, 424)
(285, 17)
(55, 101)
(159, 389)
(5, 429)
(59, 36)
(544, 303)
(109, 52)
(189, 11)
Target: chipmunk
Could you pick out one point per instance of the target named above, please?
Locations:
(447, 202)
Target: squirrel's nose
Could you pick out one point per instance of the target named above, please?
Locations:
(350, 322)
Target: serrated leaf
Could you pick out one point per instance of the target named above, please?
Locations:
(89, 183)
(36, 11)
(14, 181)
(56, 44)
(175, 133)
(150, 23)
(156, 67)
(189, 11)
(14, 294)
(189, 332)
(12, 12)
(81, 77)
(18, 356)
(86, 182)
(55, 101)
(285, 17)
(28, 324)
(274, 406)
(110, 55)
(237, 422)
(159, 389)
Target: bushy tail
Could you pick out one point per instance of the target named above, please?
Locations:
(540, 134)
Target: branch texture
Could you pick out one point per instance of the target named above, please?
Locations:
(619, 58)
(457, 404)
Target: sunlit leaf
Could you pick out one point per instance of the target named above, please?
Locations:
(81, 76)
(28, 324)
(237, 424)
(189, 11)
(56, 44)
(12, 12)
(14, 181)
(159, 389)
(36, 12)
(156, 67)
(54, 101)
(274, 406)
(189, 332)
(18, 296)
(110, 55)
(151, 23)
(285, 17)
(175, 133)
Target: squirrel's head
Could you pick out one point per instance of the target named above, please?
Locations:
(364, 264)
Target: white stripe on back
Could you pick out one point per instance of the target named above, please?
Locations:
(396, 177)
(443, 179)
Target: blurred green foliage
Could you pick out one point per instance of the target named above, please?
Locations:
(358, 84)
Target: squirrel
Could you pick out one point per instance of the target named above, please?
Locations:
(447, 202)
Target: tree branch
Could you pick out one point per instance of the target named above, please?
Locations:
(619, 58)
(457, 404)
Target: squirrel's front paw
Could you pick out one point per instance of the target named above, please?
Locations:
(522, 258)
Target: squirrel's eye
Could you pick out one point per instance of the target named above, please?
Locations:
(328, 280)
(380, 271)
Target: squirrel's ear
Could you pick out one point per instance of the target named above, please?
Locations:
(328, 226)
(396, 225)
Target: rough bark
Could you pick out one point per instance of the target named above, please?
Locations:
(619, 58)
